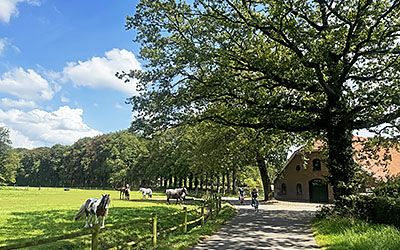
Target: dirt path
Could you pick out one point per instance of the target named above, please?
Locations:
(277, 225)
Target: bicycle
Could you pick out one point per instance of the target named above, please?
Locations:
(255, 203)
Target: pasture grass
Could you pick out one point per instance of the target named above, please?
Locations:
(31, 214)
(338, 233)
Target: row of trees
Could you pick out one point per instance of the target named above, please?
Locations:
(199, 157)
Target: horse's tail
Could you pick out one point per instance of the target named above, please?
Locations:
(82, 210)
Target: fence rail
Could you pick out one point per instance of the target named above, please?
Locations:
(95, 231)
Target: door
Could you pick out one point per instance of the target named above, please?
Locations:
(318, 191)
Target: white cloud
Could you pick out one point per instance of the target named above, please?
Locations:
(21, 141)
(26, 84)
(42, 128)
(64, 99)
(99, 72)
(5, 43)
(20, 103)
(8, 8)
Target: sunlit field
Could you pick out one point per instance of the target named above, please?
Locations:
(27, 214)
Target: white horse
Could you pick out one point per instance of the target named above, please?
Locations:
(146, 191)
(94, 209)
(177, 193)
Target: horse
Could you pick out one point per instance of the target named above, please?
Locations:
(94, 209)
(124, 192)
(146, 191)
(177, 193)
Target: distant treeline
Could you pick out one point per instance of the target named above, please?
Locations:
(197, 157)
(177, 157)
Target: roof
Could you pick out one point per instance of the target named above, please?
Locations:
(379, 161)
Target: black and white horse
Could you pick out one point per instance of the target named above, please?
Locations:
(177, 193)
(124, 192)
(94, 209)
(146, 191)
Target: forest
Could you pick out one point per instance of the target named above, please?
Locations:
(202, 156)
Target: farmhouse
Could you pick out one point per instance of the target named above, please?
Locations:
(304, 176)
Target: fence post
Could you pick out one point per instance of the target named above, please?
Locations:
(185, 219)
(155, 231)
(202, 215)
(95, 236)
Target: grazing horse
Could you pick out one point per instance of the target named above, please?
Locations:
(124, 192)
(94, 209)
(146, 191)
(177, 193)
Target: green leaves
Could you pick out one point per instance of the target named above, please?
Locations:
(249, 63)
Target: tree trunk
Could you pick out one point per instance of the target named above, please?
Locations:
(201, 182)
(218, 183)
(180, 182)
(206, 182)
(170, 182)
(196, 183)
(190, 181)
(175, 182)
(340, 161)
(234, 180)
(165, 182)
(264, 175)
(223, 184)
(228, 182)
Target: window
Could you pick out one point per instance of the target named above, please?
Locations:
(299, 190)
(316, 164)
(298, 167)
(283, 188)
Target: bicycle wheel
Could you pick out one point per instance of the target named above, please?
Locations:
(256, 205)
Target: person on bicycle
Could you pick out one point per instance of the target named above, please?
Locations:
(241, 195)
(254, 196)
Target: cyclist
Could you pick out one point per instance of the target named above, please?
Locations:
(241, 195)
(254, 196)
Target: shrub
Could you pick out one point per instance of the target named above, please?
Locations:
(370, 208)
(390, 188)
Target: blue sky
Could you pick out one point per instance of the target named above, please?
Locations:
(57, 64)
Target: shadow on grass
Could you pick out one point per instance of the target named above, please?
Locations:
(28, 226)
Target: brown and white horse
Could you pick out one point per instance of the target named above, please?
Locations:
(124, 192)
(94, 209)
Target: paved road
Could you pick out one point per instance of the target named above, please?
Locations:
(277, 225)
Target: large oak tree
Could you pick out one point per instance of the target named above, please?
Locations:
(329, 66)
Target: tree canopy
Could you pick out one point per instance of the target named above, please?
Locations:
(9, 160)
(327, 66)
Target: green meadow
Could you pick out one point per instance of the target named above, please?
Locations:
(351, 234)
(29, 214)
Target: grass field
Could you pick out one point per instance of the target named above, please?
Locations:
(34, 213)
(350, 234)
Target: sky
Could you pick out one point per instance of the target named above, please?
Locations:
(58, 61)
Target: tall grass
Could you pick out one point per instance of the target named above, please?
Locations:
(349, 234)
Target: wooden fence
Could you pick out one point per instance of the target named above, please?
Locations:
(208, 210)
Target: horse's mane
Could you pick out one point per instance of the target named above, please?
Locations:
(105, 200)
